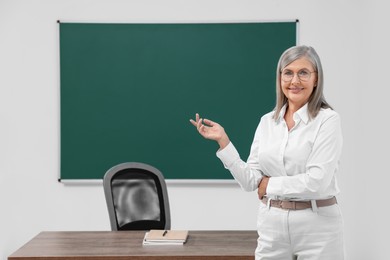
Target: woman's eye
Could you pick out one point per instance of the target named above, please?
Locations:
(303, 73)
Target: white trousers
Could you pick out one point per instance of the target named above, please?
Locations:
(300, 234)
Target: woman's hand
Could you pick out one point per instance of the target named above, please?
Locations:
(211, 130)
(262, 189)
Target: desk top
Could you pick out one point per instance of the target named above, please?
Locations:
(123, 245)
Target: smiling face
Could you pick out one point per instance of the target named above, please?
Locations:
(298, 80)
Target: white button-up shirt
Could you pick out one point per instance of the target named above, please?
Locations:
(302, 162)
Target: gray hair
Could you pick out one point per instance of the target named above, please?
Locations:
(317, 99)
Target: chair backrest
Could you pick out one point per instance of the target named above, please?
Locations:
(137, 197)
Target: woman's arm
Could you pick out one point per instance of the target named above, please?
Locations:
(247, 173)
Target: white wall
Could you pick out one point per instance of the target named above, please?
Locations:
(351, 37)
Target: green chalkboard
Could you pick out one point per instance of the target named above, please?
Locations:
(129, 90)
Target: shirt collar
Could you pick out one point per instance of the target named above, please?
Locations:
(301, 114)
(281, 113)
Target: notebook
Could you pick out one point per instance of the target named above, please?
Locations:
(165, 237)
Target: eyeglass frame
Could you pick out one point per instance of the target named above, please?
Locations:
(305, 80)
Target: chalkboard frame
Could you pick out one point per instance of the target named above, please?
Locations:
(204, 144)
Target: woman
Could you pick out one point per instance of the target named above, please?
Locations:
(293, 161)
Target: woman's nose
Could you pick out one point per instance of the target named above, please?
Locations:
(295, 78)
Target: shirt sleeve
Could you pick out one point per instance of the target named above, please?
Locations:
(321, 165)
(247, 174)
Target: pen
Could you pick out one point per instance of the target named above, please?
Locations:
(165, 232)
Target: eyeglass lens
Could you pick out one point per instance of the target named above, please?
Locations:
(303, 75)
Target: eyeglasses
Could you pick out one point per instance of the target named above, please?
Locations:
(303, 75)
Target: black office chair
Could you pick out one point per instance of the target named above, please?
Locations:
(137, 197)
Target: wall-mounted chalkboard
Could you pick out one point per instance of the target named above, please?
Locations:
(129, 90)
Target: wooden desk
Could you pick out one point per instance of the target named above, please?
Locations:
(127, 245)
